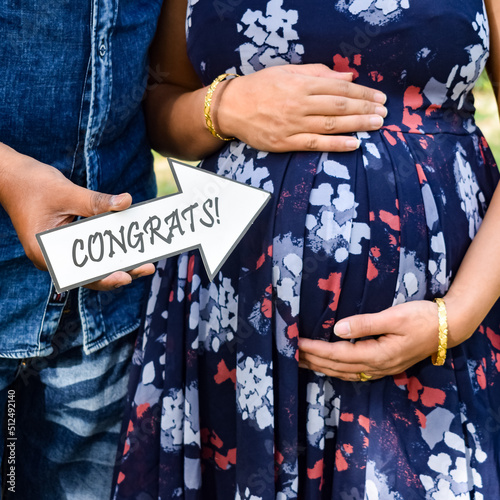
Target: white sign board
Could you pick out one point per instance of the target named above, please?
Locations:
(208, 212)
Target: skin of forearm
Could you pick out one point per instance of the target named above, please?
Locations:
(9, 175)
(476, 286)
(181, 113)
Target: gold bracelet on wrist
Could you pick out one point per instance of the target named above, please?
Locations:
(208, 104)
(439, 357)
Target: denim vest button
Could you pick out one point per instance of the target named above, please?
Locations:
(102, 50)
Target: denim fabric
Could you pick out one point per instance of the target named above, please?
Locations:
(72, 80)
(63, 418)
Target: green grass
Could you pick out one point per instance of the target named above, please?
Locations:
(486, 116)
(164, 179)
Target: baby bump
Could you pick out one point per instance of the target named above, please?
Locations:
(356, 232)
(384, 225)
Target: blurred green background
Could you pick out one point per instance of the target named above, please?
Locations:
(164, 178)
(486, 116)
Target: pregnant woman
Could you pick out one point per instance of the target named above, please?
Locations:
(219, 408)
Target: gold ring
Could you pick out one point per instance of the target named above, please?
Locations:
(363, 377)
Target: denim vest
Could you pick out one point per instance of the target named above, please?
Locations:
(72, 79)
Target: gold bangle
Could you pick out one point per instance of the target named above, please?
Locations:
(439, 357)
(208, 104)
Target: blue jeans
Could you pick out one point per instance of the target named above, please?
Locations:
(63, 417)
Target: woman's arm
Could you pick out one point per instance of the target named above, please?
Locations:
(284, 108)
(408, 332)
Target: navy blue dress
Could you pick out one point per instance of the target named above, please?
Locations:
(218, 406)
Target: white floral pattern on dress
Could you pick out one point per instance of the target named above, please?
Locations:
(215, 316)
(236, 163)
(376, 12)
(273, 40)
(473, 202)
(330, 230)
(255, 391)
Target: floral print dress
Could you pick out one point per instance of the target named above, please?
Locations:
(218, 406)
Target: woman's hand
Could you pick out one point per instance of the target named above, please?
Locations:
(283, 108)
(405, 334)
(297, 108)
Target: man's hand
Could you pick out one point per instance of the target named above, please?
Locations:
(38, 197)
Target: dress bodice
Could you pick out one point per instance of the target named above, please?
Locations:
(426, 56)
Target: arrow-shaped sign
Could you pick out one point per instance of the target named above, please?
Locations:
(208, 212)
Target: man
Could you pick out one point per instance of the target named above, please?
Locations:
(73, 75)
